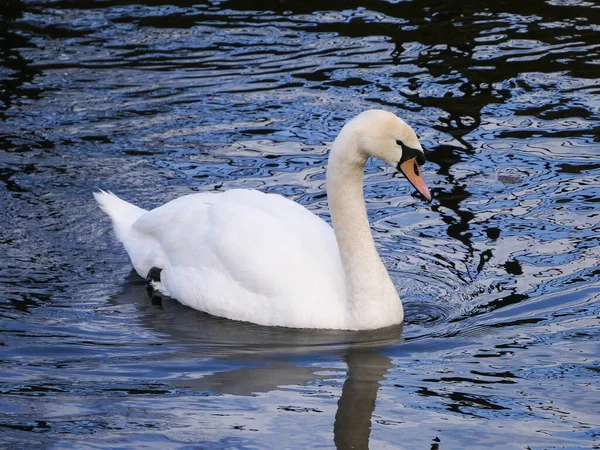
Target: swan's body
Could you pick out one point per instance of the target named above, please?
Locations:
(262, 258)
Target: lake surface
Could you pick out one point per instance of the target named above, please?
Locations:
(500, 275)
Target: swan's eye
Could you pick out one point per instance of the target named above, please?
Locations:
(399, 142)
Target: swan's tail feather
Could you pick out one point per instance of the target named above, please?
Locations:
(123, 214)
(142, 248)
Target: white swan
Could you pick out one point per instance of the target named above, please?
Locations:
(262, 258)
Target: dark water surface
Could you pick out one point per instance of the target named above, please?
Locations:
(500, 275)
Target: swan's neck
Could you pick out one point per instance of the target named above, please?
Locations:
(372, 298)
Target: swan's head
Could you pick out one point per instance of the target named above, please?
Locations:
(385, 136)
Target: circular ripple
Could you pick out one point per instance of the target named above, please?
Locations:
(426, 314)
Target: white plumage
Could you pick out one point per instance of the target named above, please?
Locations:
(262, 258)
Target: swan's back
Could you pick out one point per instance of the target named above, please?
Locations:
(246, 255)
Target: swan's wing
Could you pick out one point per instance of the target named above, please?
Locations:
(179, 227)
(271, 242)
(245, 251)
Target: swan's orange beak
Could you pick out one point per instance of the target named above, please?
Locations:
(411, 170)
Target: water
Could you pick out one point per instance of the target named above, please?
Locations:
(500, 275)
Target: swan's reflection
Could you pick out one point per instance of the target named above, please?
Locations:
(265, 358)
(366, 369)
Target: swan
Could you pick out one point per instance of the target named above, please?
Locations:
(250, 256)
